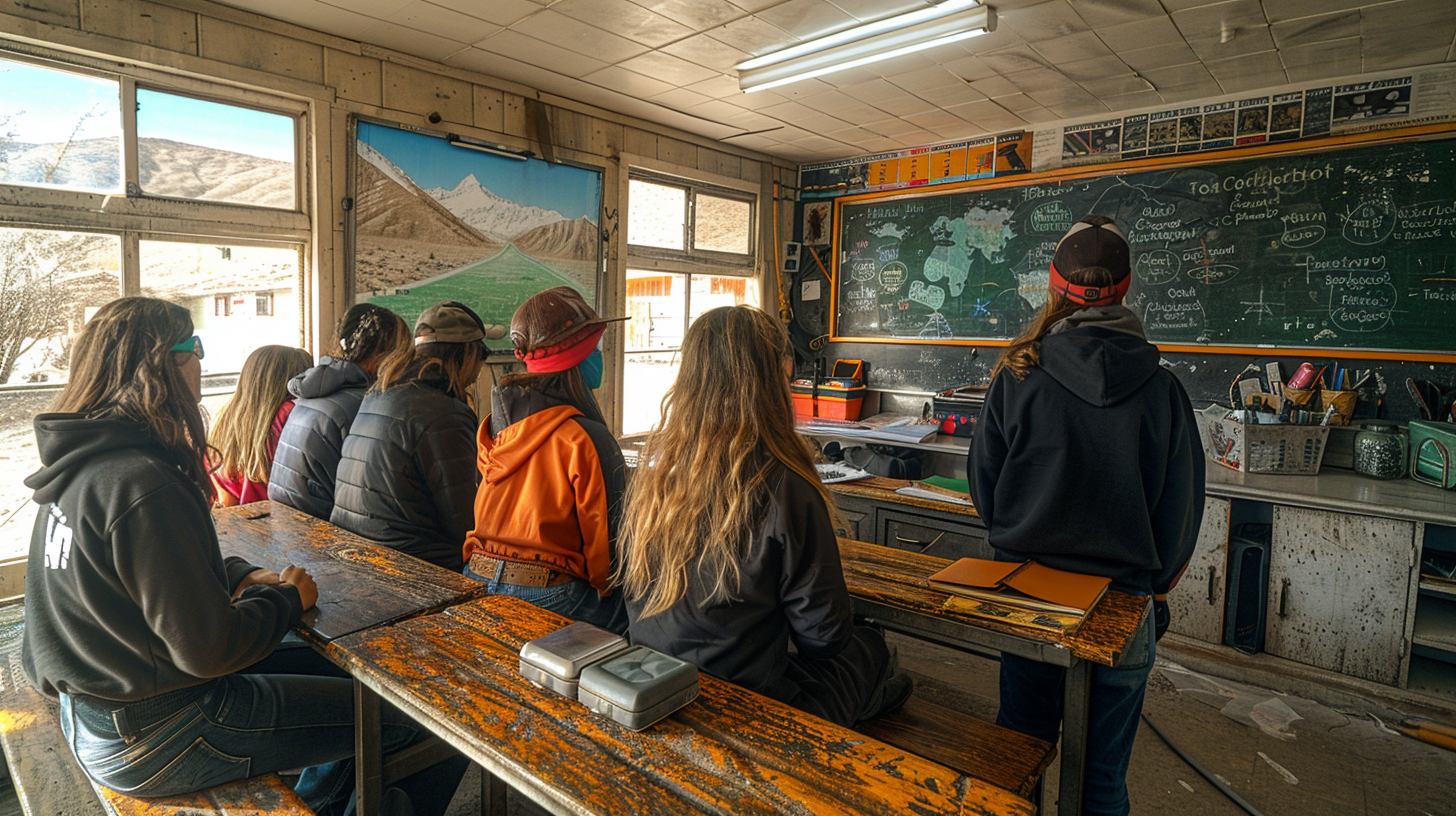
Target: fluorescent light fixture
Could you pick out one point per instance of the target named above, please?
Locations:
(487, 147)
(951, 21)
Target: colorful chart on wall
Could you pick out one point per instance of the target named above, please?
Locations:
(435, 221)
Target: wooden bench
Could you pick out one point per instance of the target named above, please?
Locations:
(49, 780)
(1005, 758)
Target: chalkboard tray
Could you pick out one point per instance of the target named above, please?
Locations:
(1345, 248)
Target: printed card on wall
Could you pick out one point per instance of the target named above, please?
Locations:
(1218, 125)
(915, 168)
(1099, 141)
(1163, 132)
(832, 178)
(948, 165)
(1253, 121)
(1286, 116)
(981, 158)
(1190, 132)
(1318, 107)
(1358, 104)
(1013, 153)
(881, 174)
(816, 223)
(1135, 136)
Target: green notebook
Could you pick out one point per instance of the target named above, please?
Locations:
(958, 485)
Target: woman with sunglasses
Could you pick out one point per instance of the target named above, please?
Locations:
(161, 651)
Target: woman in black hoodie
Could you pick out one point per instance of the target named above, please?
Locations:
(1086, 458)
(327, 399)
(161, 651)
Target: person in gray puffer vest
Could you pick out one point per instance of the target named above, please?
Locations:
(327, 400)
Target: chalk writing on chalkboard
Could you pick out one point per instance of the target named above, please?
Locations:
(1352, 248)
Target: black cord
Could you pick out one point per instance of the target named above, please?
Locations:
(1207, 774)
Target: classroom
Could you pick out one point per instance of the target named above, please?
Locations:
(559, 250)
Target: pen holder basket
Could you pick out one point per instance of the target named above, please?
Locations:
(1344, 402)
(1286, 450)
(1307, 398)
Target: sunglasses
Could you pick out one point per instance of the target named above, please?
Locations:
(192, 345)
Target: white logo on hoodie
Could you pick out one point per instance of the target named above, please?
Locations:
(58, 541)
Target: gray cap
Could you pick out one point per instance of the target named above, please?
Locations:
(449, 322)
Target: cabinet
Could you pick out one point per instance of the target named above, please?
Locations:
(1196, 605)
(950, 533)
(1339, 588)
(1433, 637)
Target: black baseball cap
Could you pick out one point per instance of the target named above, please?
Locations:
(1095, 241)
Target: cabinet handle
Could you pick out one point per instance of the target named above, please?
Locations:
(1283, 595)
(916, 542)
(1212, 582)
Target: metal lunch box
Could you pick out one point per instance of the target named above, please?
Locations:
(638, 687)
(556, 661)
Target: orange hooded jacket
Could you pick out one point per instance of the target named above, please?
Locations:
(544, 497)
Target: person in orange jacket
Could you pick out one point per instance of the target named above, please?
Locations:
(552, 475)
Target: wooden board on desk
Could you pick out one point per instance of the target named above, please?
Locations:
(899, 578)
(881, 489)
(361, 583)
(729, 751)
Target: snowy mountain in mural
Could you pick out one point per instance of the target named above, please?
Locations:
(495, 217)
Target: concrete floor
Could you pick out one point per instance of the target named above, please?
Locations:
(1339, 762)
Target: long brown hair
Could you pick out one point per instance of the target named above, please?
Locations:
(123, 367)
(239, 437)
(457, 363)
(702, 490)
(1024, 353)
(563, 386)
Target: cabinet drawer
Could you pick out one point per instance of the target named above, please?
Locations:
(932, 536)
(853, 525)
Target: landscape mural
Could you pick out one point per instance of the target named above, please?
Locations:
(435, 221)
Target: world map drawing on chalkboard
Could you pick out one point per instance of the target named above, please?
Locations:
(1352, 248)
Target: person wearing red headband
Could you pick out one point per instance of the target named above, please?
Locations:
(553, 477)
(1086, 458)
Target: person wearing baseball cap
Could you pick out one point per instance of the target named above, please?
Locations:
(407, 476)
(1086, 458)
(553, 477)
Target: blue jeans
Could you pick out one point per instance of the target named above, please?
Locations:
(246, 724)
(576, 599)
(1031, 702)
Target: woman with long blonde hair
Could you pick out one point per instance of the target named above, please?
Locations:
(407, 475)
(729, 550)
(245, 435)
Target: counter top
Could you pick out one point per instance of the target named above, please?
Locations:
(1339, 490)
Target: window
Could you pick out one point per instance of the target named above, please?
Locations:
(678, 219)
(74, 234)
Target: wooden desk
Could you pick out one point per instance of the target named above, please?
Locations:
(361, 584)
(731, 751)
(890, 587)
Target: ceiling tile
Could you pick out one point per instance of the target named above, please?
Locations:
(432, 19)
(851, 76)
(903, 105)
(1392, 58)
(1310, 30)
(631, 83)
(807, 19)
(1094, 69)
(1044, 21)
(875, 90)
(738, 117)
(1011, 60)
(995, 86)
(1332, 51)
(410, 41)
(668, 68)
(1080, 46)
(983, 108)
(1319, 71)
(1038, 115)
(698, 15)
(498, 66)
(1040, 79)
(1000, 124)
(680, 98)
(859, 137)
(1236, 43)
(1180, 5)
(843, 106)
(1077, 110)
(1016, 103)
(583, 38)
(323, 17)
(1178, 75)
(890, 127)
(961, 130)
(1409, 24)
(754, 5)
(1104, 13)
(954, 95)
(1266, 63)
(1244, 83)
(933, 119)
(788, 112)
(820, 122)
(706, 51)
(625, 18)
(927, 79)
(758, 100)
(969, 68)
(1125, 103)
(1114, 86)
(718, 87)
(378, 9)
(904, 65)
(1215, 19)
(500, 12)
(1158, 56)
(540, 53)
(1060, 96)
(1280, 10)
(1141, 34)
(866, 10)
(753, 35)
(803, 88)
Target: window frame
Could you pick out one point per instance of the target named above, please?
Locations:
(692, 259)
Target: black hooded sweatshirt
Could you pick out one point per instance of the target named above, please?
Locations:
(1092, 463)
(126, 593)
(327, 399)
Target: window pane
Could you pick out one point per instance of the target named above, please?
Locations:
(59, 129)
(50, 283)
(656, 215)
(712, 291)
(657, 308)
(722, 224)
(647, 375)
(192, 148)
(223, 287)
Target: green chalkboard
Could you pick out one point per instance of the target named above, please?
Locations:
(1352, 248)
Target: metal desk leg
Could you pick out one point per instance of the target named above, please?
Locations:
(1076, 696)
(492, 794)
(368, 751)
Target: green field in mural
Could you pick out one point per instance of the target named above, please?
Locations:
(493, 287)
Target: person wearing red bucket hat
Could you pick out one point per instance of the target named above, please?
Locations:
(553, 477)
(1086, 458)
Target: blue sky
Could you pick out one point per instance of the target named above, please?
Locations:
(210, 124)
(433, 162)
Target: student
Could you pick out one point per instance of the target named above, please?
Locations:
(246, 432)
(160, 650)
(1086, 458)
(550, 498)
(327, 399)
(407, 477)
(729, 552)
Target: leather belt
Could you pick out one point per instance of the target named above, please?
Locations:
(517, 573)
